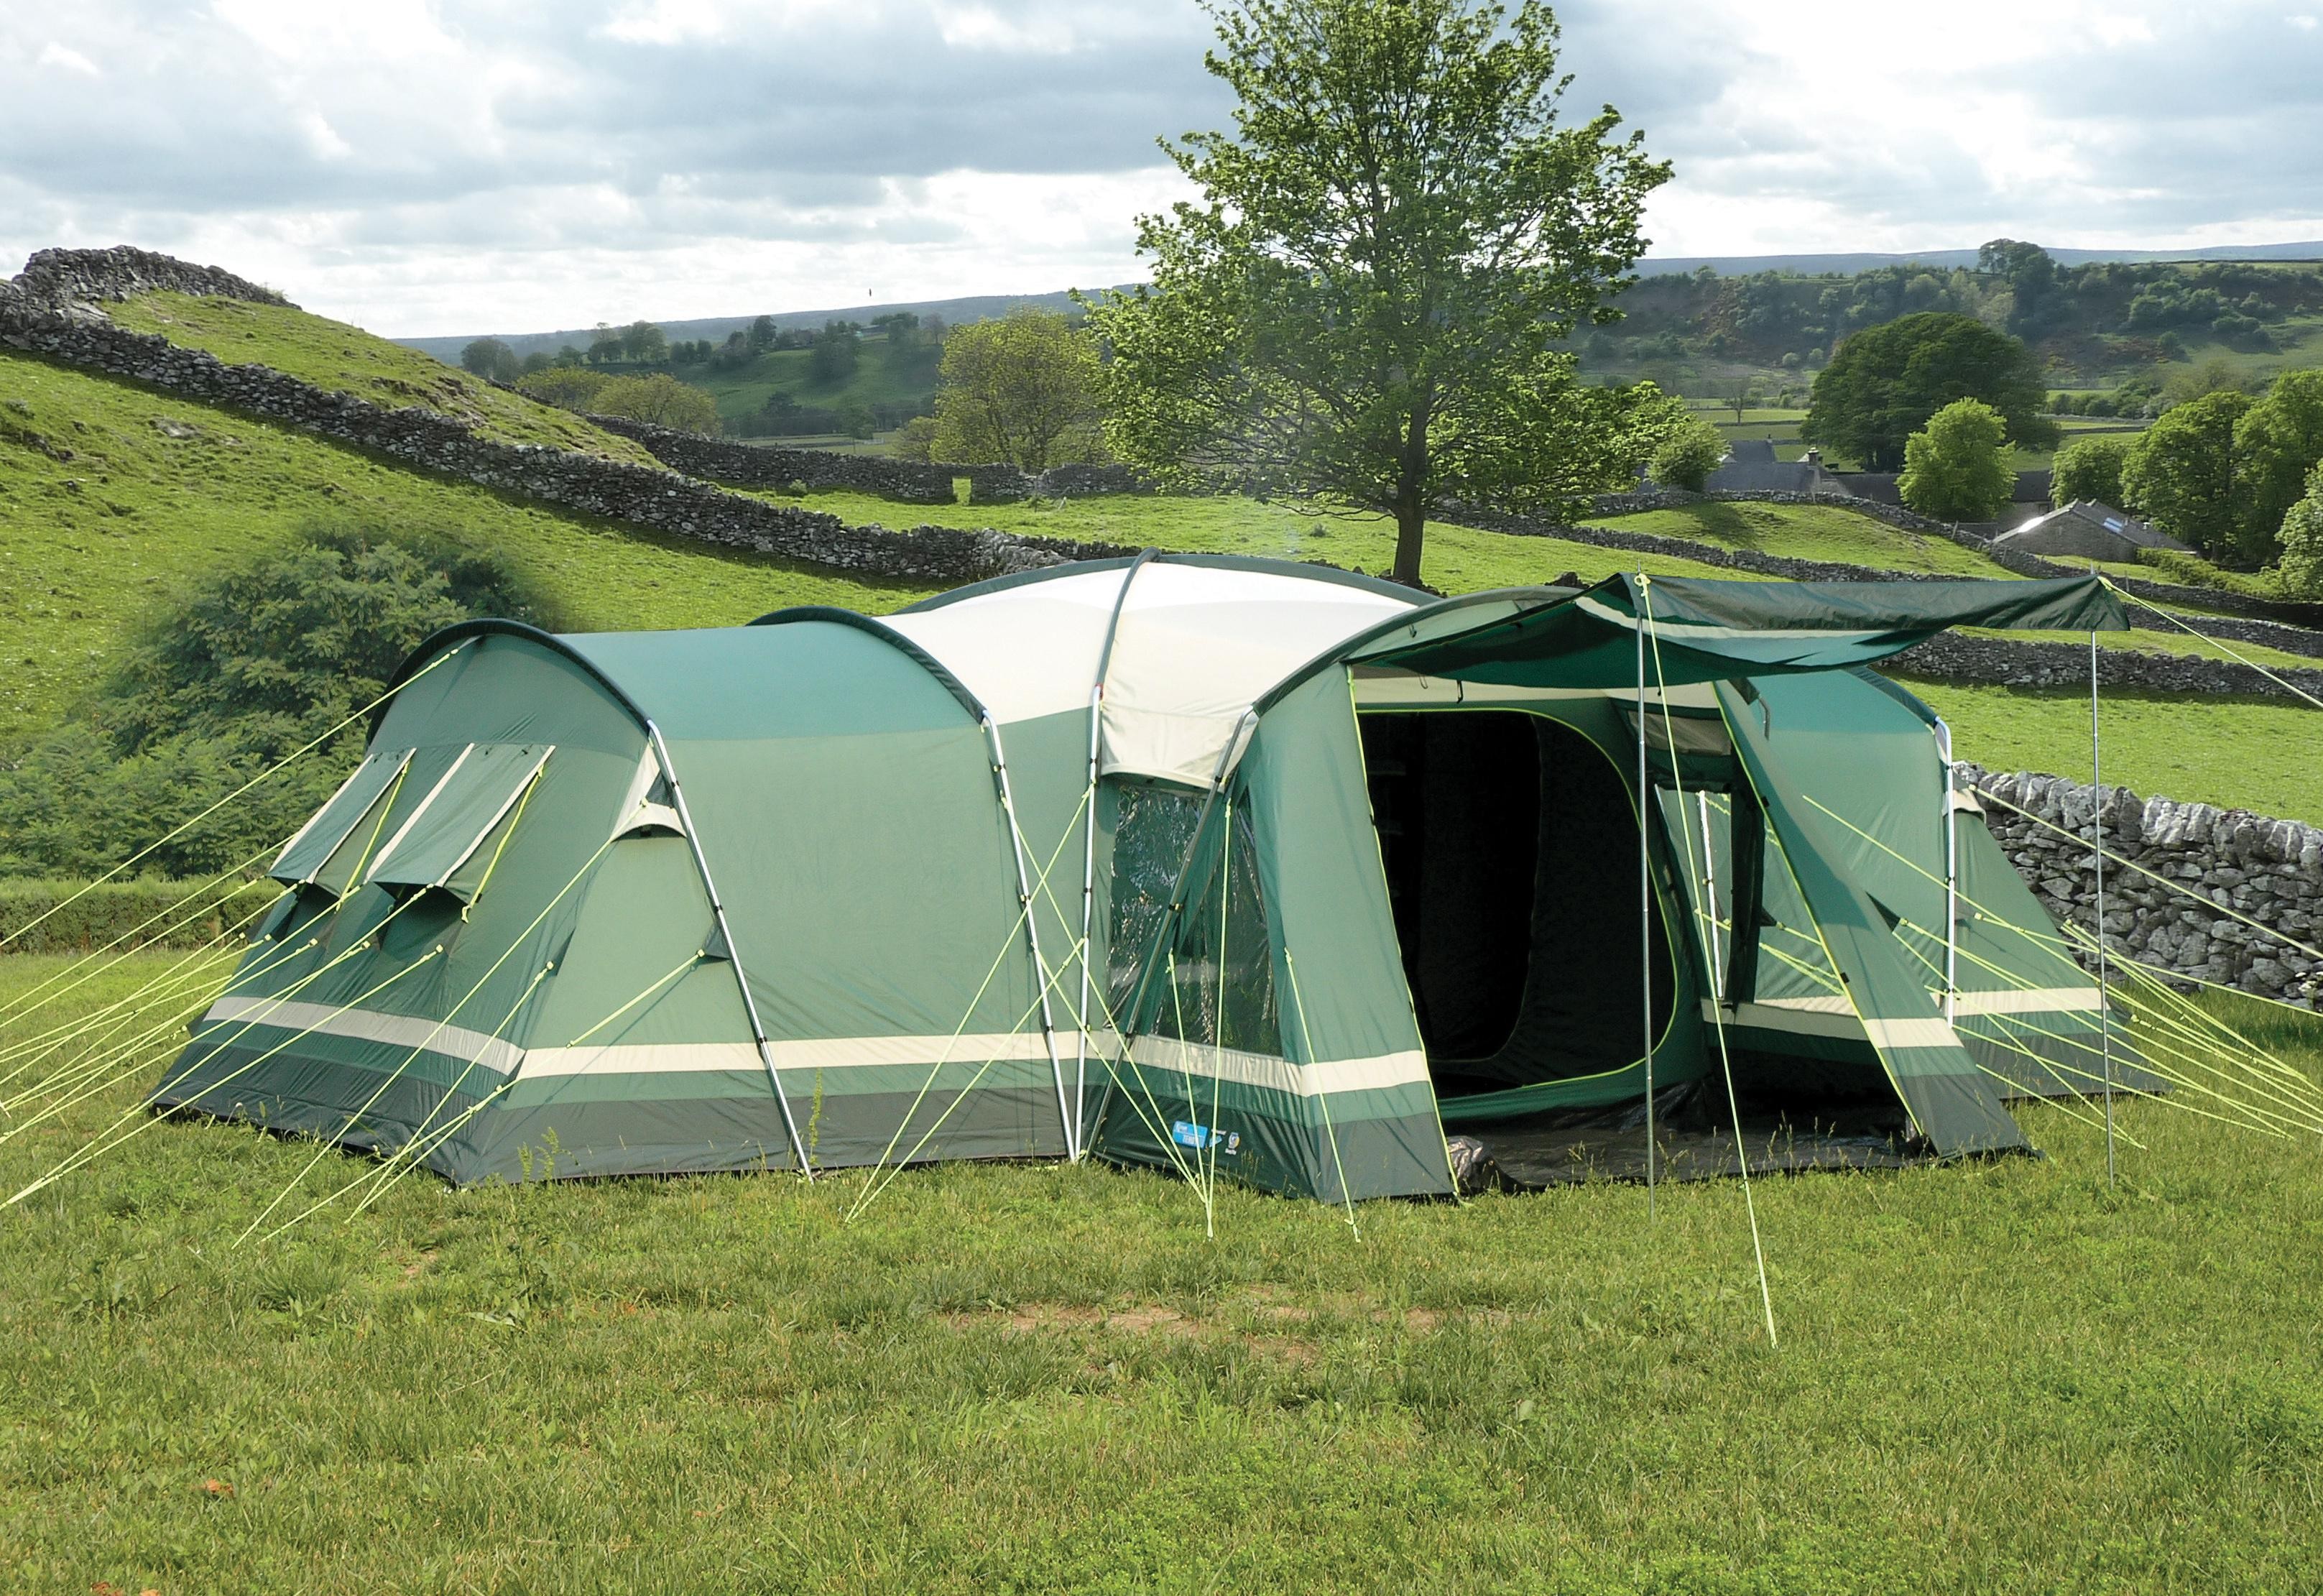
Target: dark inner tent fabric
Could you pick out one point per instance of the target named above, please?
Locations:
(1511, 856)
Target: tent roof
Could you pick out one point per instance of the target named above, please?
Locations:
(1191, 647)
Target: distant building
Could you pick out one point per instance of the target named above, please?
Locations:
(1750, 467)
(2087, 530)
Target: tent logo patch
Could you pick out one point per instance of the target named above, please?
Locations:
(1203, 1137)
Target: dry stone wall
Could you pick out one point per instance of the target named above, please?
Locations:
(51, 313)
(2219, 863)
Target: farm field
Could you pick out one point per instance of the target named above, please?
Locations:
(1989, 1376)
(878, 380)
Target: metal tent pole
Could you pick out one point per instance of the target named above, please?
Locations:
(733, 950)
(2097, 853)
(1645, 911)
(1951, 872)
(1032, 931)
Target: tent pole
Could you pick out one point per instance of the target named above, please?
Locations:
(1088, 905)
(1710, 889)
(733, 949)
(2097, 853)
(1646, 913)
(1032, 931)
(1952, 873)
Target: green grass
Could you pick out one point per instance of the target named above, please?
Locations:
(333, 355)
(1808, 532)
(1992, 1377)
(2247, 753)
(90, 544)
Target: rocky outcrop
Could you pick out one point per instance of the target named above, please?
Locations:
(2219, 870)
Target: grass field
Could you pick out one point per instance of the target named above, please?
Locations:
(157, 492)
(344, 359)
(878, 380)
(1990, 1377)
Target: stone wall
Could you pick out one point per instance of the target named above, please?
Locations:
(2269, 870)
(62, 278)
(31, 319)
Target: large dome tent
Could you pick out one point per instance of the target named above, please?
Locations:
(1160, 859)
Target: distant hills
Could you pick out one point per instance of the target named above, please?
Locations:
(978, 308)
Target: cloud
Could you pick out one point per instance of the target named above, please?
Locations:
(441, 165)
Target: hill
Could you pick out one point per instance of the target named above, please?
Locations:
(345, 359)
(1847, 264)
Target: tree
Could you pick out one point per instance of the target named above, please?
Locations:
(660, 399)
(2302, 540)
(836, 353)
(1023, 389)
(1688, 454)
(643, 343)
(1956, 468)
(605, 347)
(2182, 474)
(2280, 441)
(574, 388)
(1884, 382)
(916, 440)
(763, 332)
(2030, 274)
(1373, 298)
(855, 419)
(491, 359)
(2090, 468)
(540, 360)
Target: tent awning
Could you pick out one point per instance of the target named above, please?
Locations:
(1708, 631)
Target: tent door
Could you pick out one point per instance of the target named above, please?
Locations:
(1511, 847)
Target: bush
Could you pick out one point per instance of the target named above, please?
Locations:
(1687, 455)
(660, 400)
(252, 667)
(1957, 468)
(147, 911)
(574, 388)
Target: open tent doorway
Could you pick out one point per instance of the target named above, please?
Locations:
(1510, 842)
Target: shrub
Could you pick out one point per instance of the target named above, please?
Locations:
(661, 400)
(252, 665)
(1688, 454)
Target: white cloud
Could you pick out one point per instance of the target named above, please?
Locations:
(443, 165)
(53, 54)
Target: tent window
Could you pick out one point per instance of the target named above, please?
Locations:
(440, 843)
(1213, 980)
(352, 816)
(648, 809)
(1511, 847)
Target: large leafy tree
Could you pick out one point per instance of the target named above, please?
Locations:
(2279, 442)
(1021, 388)
(2090, 468)
(2184, 475)
(1370, 298)
(2302, 540)
(1884, 383)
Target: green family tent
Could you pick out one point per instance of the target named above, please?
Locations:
(1168, 860)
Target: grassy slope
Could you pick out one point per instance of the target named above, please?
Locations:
(86, 545)
(1992, 1377)
(347, 359)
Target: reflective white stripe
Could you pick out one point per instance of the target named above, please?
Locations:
(1890, 1034)
(398, 1030)
(1801, 1016)
(2038, 1000)
(1280, 1075)
(839, 1052)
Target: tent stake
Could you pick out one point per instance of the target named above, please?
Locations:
(1646, 910)
(733, 949)
(2097, 852)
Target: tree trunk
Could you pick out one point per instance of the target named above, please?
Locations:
(1410, 531)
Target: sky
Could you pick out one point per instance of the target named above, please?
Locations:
(430, 167)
